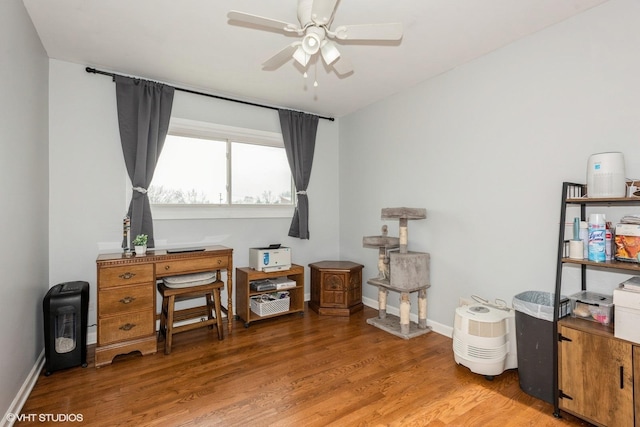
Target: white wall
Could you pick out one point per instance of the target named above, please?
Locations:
(88, 181)
(485, 149)
(24, 189)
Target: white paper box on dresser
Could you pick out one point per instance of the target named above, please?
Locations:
(626, 304)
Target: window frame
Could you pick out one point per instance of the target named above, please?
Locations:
(213, 131)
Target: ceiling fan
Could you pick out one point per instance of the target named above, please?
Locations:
(315, 18)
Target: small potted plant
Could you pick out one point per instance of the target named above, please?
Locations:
(140, 244)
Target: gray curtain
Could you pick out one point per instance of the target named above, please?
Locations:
(299, 134)
(144, 110)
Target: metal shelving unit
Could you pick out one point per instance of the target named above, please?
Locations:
(574, 194)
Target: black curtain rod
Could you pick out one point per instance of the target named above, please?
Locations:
(113, 76)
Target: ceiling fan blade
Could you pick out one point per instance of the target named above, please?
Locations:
(391, 31)
(261, 21)
(322, 11)
(342, 66)
(281, 57)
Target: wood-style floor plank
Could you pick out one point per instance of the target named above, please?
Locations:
(294, 370)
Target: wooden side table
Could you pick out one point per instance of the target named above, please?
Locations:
(336, 287)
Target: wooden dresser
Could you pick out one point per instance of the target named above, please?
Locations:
(127, 295)
(336, 287)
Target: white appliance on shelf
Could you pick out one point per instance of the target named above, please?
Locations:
(606, 175)
(484, 339)
(275, 258)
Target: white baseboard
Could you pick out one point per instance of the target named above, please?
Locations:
(92, 337)
(439, 328)
(24, 392)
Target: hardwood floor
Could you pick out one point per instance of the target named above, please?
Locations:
(291, 371)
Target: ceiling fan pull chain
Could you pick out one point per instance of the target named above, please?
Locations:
(315, 72)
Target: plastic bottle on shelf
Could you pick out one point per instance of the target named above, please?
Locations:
(608, 242)
(584, 236)
(597, 237)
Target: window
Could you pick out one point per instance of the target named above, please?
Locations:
(213, 171)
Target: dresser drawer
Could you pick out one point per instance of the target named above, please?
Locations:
(124, 299)
(126, 275)
(170, 268)
(125, 327)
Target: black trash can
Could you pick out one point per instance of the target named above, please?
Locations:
(534, 341)
(66, 308)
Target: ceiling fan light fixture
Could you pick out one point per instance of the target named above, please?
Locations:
(311, 43)
(301, 56)
(329, 52)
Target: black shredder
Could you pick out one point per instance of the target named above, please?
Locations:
(65, 309)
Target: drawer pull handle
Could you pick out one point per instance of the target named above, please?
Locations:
(219, 261)
(166, 267)
(127, 300)
(127, 275)
(127, 326)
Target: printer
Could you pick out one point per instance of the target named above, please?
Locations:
(273, 258)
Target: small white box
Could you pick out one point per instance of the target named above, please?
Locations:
(283, 283)
(627, 315)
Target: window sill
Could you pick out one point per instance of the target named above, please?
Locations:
(172, 212)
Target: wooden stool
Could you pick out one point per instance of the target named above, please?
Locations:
(169, 315)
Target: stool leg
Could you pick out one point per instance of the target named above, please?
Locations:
(163, 318)
(169, 337)
(210, 306)
(216, 301)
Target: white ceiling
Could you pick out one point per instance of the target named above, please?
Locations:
(190, 44)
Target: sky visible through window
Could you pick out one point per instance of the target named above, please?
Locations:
(194, 171)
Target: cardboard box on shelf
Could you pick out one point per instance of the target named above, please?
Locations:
(627, 242)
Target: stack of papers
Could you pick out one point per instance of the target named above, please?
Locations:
(630, 219)
(632, 284)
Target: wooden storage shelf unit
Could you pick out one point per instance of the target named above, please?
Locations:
(618, 265)
(246, 275)
(594, 372)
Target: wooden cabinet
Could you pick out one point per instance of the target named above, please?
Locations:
(127, 295)
(596, 376)
(636, 380)
(246, 275)
(336, 287)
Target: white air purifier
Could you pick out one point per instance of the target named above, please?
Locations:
(606, 175)
(484, 339)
